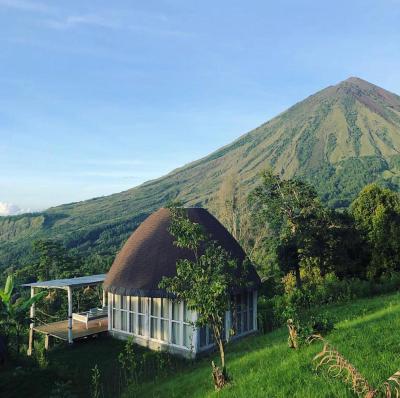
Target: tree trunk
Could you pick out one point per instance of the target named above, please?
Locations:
(222, 354)
(219, 374)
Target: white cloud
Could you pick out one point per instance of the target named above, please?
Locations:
(24, 5)
(9, 209)
(79, 20)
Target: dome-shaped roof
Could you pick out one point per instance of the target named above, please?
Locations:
(149, 254)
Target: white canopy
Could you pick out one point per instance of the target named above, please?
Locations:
(69, 282)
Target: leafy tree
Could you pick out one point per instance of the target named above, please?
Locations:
(204, 282)
(293, 212)
(234, 211)
(13, 312)
(53, 260)
(376, 212)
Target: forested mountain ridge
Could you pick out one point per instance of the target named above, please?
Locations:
(340, 139)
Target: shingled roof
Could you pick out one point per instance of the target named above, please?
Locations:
(149, 254)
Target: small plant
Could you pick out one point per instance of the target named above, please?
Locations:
(339, 367)
(129, 363)
(298, 333)
(40, 357)
(96, 385)
(62, 389)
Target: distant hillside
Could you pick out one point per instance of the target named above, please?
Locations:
(340, 139)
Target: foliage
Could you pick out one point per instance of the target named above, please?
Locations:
(96, 382)
(317, 140)
(62, 389)
(129, 363)
(263, 366)
(288, 207)
(377, 215)
(205, 282)
(275, 311)
(306, 235)
(13, 311)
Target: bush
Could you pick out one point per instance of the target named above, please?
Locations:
(317, 290)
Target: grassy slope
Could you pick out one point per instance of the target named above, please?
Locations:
(263, 366)
(68, 364)
(340, 138)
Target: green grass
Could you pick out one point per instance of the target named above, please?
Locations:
(263, 366)
(66, 364)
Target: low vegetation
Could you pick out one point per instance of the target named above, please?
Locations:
(264, 365)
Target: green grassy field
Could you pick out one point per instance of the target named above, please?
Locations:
(263, 366)
(71, 365)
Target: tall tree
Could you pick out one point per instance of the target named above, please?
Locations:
(235, 213)
(376, 212)
(53, 260)
(204, 283)
(293, 212)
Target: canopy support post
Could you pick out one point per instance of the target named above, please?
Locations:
(69, 290)
(32, 315)
(104, 298)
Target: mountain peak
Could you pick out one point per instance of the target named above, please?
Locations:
(354, 79)
(357, 82)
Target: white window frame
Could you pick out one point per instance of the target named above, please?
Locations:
(132, 310)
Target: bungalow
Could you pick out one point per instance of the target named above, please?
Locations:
(137, 307)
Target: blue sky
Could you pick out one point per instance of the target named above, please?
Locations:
(99, 96)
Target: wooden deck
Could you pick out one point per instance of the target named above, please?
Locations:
(59, 329)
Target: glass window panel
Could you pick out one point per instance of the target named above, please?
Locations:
(125, 302)
(176, 316)
(134, 303)
(187, 314)
(239, 324)
(244, 301)
(124, 321)
(187, 335)
(251, 320)
(155, 307)
(238, 302)
(165, 308)
(154, 332)
(245, 324)
(175, 338)
(117, 301)
(132, 323)
(203, 336)
(250, 300)
(164, 330)
(117, 319)
(141, 305)
(141, 325)
(210, 336)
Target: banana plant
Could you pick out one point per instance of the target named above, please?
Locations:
(13, 312)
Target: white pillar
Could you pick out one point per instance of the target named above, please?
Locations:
(31, 326)
(110, 304)
(69, 290)
(104, 298)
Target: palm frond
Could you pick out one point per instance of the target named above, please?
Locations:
(8, 289)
